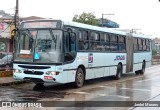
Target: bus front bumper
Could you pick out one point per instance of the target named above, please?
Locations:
(35, 78)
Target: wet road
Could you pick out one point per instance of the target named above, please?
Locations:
(130, 88)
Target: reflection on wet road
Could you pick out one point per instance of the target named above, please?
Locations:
(129, 88)
(132, 88)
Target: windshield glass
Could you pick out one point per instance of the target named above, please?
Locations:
(41, 46)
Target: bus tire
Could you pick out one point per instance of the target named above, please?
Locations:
(143, 68)
(79, 78)
(119, 72)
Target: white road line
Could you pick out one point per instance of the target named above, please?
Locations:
(102, 95)
(137, 89)
(126, 97)
(147, 79)
(115, 96)
(105, 86)
(81, 93)
(85, 93)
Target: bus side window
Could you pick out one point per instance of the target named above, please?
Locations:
(148, 44)
(140, 45)
(66, 41)
(83, 43)
(113, 42)
(121, 43)
(69, 46)
(135, 44)
(72, 42)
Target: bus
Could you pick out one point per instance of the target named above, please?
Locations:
(58, 52)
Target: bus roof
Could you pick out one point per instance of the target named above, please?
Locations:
(140, 36)
(91, 27)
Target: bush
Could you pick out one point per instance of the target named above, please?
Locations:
(154, 52)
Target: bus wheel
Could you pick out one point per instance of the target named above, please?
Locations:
(79, 79)
(119, 72)
(143, 68)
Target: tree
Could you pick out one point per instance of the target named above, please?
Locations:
(86, 18)
(154, 52)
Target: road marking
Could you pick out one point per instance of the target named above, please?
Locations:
(85, 93)
(137, 89)
(147, 79)
(80, 92)
(121, 96)
(105, 86)
(102, 95)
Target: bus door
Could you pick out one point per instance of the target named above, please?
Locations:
(69, 44)
(129, 49)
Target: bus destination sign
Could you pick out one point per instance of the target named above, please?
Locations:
(40, 24)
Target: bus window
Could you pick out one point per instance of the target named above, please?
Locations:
(140, 44)
(135, 44)
(85, 35)
(102, 46)
(83, 43)
(102, 37)
(121, 43)
(148, 44)
(113, 42)
(72, 42)
(94, 41)
(69, 46)
(144, 45)
(66, 41)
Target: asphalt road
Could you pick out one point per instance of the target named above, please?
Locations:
(130, 87)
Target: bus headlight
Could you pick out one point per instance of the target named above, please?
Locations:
(52, 73)
(17, 71)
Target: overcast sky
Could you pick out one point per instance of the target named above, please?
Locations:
(130, 14)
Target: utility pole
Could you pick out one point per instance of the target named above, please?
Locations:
(16, 13)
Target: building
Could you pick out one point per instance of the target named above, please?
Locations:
(156, 45)
(30, 18)
(6, 23)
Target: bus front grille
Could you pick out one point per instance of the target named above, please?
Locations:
(34, 72)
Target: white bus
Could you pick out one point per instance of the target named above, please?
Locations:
(61, 52)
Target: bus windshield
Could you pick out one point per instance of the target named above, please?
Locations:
(39, 45)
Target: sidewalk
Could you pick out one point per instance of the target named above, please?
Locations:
(6, 78)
